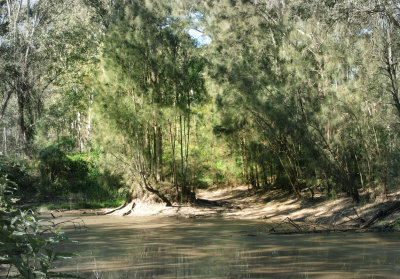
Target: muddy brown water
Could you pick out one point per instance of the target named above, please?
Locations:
(130, 247)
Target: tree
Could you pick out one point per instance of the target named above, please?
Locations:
(301, 88)
(150, 82)
(40, 42)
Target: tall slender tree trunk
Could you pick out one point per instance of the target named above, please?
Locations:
(252, 177)
(17, 141)
(26, 128)
(290, 176)
(5, 140)
(271, 173)
(187, 141)
(155, 153)
(89, 121)
(257, 177)
(183, 186)
(172, 137)
(264, 174)
(149, 156)
(80, 137)
(160, 153)
(360, 172)
(21, 118)
(245, 162)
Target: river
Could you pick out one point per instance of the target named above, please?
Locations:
(129, 247)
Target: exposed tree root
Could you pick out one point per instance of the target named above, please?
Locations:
(158, 194)
(130, 210)
(126, 203)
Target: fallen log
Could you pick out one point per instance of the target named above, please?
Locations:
(381, 214)
(290, 221)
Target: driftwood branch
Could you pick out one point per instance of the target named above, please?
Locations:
(77, 225)
(381, 214)
(287, 225)
(293, 224)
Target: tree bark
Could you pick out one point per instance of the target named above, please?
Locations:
(172, 142)
(155, 153)
(89, 121)
(80, 137)
(183, 186)
(160, 153)
(145, 183)
(264, 174)
(22, 124)
(5, 140)
(187, 142)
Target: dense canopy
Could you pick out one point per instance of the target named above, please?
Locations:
(103, 99)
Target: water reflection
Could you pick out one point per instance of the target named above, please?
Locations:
(118, 247)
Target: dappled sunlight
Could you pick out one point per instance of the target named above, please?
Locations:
(200, 139)
(240, 202)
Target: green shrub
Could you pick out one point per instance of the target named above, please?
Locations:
(66, 144)
(52, 163)
(63, 175)
(23, 244)
(21, 173)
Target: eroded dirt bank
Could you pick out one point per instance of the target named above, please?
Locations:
(243, 203)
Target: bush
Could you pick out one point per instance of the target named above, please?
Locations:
(62, 175)
(21, 173)
(66, 144)
(23, 244)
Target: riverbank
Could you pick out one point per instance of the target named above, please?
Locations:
(275, 207)
(240, 202)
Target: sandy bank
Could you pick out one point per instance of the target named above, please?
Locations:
(273, 206)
